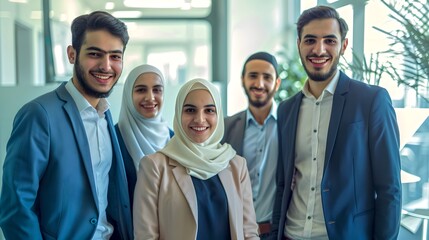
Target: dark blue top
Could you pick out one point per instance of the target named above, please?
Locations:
(130, 168)
(213, 218)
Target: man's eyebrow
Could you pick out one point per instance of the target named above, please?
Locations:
(326, 36)
(103, 51)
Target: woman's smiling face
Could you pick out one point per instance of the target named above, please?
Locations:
(199, 115)
(148, 94)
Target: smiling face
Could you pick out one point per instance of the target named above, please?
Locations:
(98, 65)
(199, 116)
(260, 83)
(320, 48)
(148, 94)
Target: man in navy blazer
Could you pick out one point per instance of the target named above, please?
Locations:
(64, 176)
(338, 173)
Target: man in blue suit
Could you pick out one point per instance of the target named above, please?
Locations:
(338, 173)
(63, 175)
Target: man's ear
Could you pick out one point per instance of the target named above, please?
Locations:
(71, 54)
(344, 45)
(278, 82)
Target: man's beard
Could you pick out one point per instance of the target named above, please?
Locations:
(259, 103)
(318, 76)
(85, 86)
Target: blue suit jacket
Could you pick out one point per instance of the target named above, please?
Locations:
(48, 185)
(361, 185)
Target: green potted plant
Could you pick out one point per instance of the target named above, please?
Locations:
(410, 43)
(292, 75)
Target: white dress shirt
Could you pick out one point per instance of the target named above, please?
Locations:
(305, 219)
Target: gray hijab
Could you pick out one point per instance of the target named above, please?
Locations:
(142, 136)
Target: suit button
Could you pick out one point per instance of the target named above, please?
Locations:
(93, 221)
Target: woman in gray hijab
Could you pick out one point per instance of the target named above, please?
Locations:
(141, 129)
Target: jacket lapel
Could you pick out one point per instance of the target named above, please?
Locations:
(240, 132)
(185, 184)
(116, 153)
(291, 129)
(80, 135)
(337, 111)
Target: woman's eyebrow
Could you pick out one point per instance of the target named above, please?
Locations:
(188, 105)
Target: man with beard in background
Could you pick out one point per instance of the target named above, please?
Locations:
(253, 133)
(64, 176)
(338, 174)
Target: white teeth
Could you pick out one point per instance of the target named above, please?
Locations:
(318, 61)
(199, 128)
(101, 77)
(148, 106)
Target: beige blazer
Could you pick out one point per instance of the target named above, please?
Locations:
(165, 203)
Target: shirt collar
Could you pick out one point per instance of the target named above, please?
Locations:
(81, 103)
(330, 88)
(273, 114)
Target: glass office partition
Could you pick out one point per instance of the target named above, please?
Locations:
(414, 127)
(181, 49)
(20, 42)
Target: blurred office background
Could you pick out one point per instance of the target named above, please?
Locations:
(211, 39)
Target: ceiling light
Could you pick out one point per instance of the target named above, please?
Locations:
(127, 14)
(181, 4)
(109, 5)
(201, 3)
(186, 6)
(153, 4)
(18, 1)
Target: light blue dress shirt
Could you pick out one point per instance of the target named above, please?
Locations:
(260, 148)
(100, 147)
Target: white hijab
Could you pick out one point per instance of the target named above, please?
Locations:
(202, 160)
(142, 136)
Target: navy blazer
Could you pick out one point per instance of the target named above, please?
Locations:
(48, 185)
(361, 185)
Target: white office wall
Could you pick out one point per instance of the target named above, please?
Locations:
(7, 43)
(254, 26)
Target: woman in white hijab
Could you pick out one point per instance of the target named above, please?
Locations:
(195, 187)
(141, 129)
